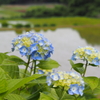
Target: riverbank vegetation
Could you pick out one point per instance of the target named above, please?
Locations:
(84, 25)
(87, 27)
(67, 8)
(58, 22)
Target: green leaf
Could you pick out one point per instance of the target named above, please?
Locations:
(92, 81)
(14, 97)
(97, 89)
(94, 99)
(93, 65)
(48, 64)
(3, 82)
(62, 94)
(66, 96)
(81, 98)
(53, 94)
(2, 57)
(45, 97)
(18, 60)
(71, 62)
(11, 68)
(39, 80)
(13, 84)
(2, 74)
(3, 85)
(77, 67)
(35, 90)
(21, 72)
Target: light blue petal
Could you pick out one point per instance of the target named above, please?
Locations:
(23, 50)
(40, 72)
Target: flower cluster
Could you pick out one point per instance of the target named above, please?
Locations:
(87, 53)
(70, 81)
(43, 71)
(34, 45)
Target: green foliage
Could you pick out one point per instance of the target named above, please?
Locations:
(3, 82)
(88, 8)
(18, 60)
(13, 84)
(3, 56)
(24, 84)
(5, 24)
(78, 67)
(48, 64)
(52, 24)
(27, 25)
(7, 86)
(11, 68)
(19, 25)
(37, 25)
(75, 24)
(42, 11)
(92, 82)
(45, 25)
(14, 97)
(56, 94)
(45, 97)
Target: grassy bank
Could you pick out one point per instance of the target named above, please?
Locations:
(79, 23)
(88, 28)
(61, 21)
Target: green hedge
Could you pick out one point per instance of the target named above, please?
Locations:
(42, 11)
(5, 24)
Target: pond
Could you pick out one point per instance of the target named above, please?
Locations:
(64, 40)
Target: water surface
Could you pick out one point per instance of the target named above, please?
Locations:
(64, 40)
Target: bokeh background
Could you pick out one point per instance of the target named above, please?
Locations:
(66, 23)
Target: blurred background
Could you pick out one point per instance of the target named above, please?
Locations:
(68, 24)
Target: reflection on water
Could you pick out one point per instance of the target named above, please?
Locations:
(90, 34)
(64, 40)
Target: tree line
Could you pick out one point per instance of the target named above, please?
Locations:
(27, 1)
(88, 8)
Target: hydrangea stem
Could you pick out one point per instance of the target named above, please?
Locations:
(26, 67)
(34, 67)
(31, 67)
(85, 68)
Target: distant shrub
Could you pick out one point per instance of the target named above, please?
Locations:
(27, 25)
(45, 25)
(75, 24)
(60, 10)
(18, 25)
(43, 11)
(37, 25)
(5, 24)
(53, 25)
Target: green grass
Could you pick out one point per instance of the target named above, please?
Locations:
(88, 28)
(61, 21)
(7, 11)
(64, 21)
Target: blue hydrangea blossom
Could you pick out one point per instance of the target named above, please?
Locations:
(34, 45)
(71, 81)
(87, 53)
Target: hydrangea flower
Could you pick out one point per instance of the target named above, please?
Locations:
(87, 53)
(71, 81)
(43, 71)
(34, 45)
